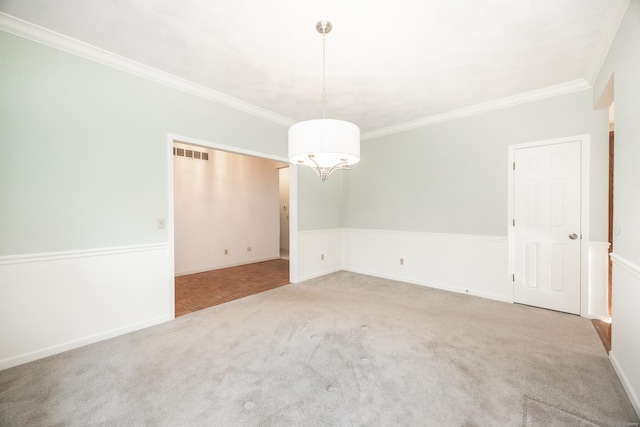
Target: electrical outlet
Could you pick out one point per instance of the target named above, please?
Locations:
(322, 257)
(248, 248)
(226, 251)
(401, 261)
(160, 223)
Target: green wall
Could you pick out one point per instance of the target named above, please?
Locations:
(83, 159)
(319, 203)
(451, 177)
(623, 66)
(83, 149)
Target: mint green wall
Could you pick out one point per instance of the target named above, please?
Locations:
(623, 64)
(83, 161)
(319, 203)
(451, 177)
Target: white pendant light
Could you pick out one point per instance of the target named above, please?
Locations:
(324, 145)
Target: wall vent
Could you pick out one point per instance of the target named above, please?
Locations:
(192, 154)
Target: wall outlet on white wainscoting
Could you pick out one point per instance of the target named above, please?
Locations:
(401, 261)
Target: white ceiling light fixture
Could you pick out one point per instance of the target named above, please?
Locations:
(324, 145)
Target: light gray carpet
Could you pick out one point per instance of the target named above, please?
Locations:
(344, 349)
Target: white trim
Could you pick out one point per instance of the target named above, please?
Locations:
(222, 147)
(468, 264)
(428, 234)
(433, 285)
(585, 224)
(626, 384)
(510, 101)
(294, 256)
(322, 232)
(318, 274)
(626, 264)
(598, 283)
(70, 45)
(82, 253)
(202, 270)
(604, 42)
(70, 345)
(171, 270)
(67, 44)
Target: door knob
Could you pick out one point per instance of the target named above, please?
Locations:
(573, 236)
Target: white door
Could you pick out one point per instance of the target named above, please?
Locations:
(546, 228)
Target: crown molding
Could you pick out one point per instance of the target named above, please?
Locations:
(30, 31)
(67, 44)
(605, 40)
(523, 98)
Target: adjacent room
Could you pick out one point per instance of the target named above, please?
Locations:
(229, 214)
(443, 191)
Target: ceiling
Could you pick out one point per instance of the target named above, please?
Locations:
(388, 62)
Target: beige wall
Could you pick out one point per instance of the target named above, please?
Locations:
(229, 202)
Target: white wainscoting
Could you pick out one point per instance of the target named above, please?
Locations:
(598, 283)
(54, 302)
(311, 246)
(477, 265)
(625, 330)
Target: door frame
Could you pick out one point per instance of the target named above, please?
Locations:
(585, 144)
(293, 205)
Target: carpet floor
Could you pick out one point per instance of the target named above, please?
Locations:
(341, 350)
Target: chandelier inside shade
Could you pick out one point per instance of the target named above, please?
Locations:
(324, 145)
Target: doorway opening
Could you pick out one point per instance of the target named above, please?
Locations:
(603, 327)
(284, 186)
(225, 225)
(611, 195)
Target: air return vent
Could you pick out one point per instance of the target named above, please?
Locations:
(192, 154)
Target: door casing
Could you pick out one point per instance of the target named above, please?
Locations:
(293, 206)
(585, 141)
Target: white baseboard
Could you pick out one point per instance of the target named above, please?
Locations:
(439, 286)
(318, 274)
(376, 252)
(628, 387)
(219, 267)
(469, 264)
(70, 345)
(58, 301)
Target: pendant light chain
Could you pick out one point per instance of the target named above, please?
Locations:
(324, 89)
(307, 145)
